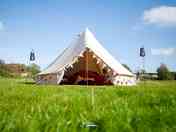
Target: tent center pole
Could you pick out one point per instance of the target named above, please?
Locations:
(92, 89)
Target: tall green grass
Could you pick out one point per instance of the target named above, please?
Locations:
(43, 108)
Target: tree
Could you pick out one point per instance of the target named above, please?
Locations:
(33, 69)
(127, 67)
(2, 61)
(164, 73)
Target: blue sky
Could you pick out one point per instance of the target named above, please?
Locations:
(48, 26)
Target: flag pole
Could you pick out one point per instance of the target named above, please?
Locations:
(142, 55)
(31, 58)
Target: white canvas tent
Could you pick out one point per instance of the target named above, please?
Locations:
(86, 43)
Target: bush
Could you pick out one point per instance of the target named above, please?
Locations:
(33, 69)
(164, 73)
(4, 71)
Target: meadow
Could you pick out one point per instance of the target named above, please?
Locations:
(26, 107)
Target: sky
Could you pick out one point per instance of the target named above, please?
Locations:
(121, 26)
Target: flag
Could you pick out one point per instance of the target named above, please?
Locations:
(32, 56)
(142, 52)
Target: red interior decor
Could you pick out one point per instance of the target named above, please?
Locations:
(82, 77)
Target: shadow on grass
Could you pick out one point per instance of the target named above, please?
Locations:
(27, 82)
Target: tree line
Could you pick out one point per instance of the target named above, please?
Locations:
(163, 72)
(31, 69)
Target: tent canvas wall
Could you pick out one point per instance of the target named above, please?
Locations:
(85, 60)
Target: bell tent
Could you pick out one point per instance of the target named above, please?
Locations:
(85, 61)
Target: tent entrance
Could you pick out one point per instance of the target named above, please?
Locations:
(93, 78)
(86, 70)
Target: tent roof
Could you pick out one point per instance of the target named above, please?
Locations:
(85, 40)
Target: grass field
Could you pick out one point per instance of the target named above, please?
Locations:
(39, 108)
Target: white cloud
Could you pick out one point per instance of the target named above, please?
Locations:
(1, 26)
(163, 15)
(164, 51)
